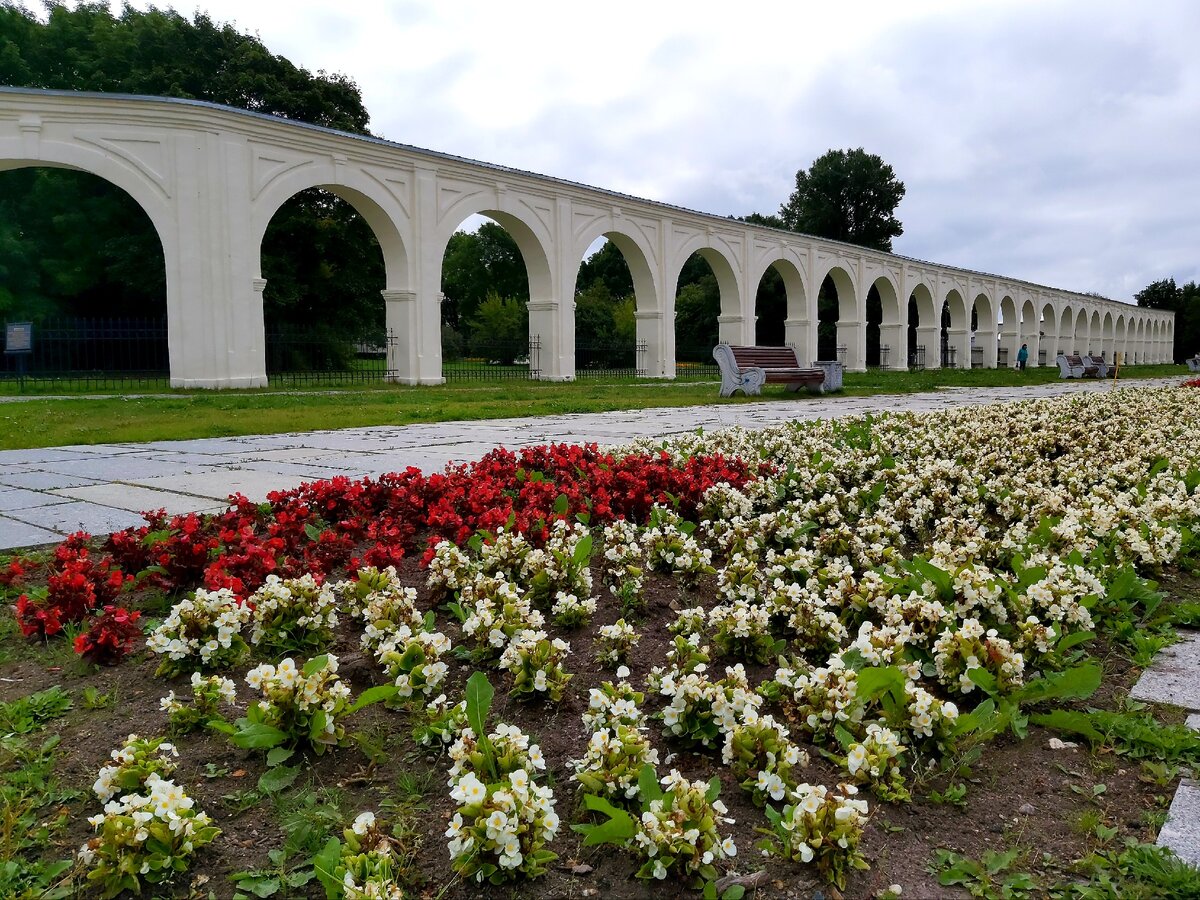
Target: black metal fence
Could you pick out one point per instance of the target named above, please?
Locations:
(618, 360)
(1041, 357)
(497, 361)
(695, 361)
(1002, 358)
(298, 356)
(916, 357)
(976, 357)
(72, 354)
(949, 357)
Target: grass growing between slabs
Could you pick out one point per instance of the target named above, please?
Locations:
(87, 419)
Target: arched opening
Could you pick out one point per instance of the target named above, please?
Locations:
(1096, 335)
(983, 333)
(1121, 341)
(1066, 333)
(608, 299)
(955, 332)
(84, 264)
(485, 313)
(705, 294)
(1030, 337)
(923, 329)
(325, 271)
(1048, 339)
(1011, 336)
(1109, 343)
(781, 309)
(837, 319)
(1082, 335)
(886, 334)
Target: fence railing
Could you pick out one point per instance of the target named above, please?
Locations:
(916, 357)
(695, 361)
(496, 361)
(1041, 357)
(92, 353)
(949, 357)
(610, 360)
(297, 356)
(1002, 357)
(976, 357)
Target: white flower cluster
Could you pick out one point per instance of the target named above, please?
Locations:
(412, 660)
(614, 642)
(537, 664)
(133, 763)
(678, 834)
(382, 603)
(201, 631)
(293, 613)
(618, 747)
(207, 695)
(290, 698)
(505, 818)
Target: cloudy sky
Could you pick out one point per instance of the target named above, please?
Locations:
(1053, 141)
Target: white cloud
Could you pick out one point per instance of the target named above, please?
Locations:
(1054, 142)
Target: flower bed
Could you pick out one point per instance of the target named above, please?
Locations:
(815, 620)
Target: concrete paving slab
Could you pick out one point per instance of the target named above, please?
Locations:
(1193, 721)
(43, 455)
(78, 515)
(218, 484)
(19, 498)
(301, 471)
(43, 481)
(1181, 833)
(21, 534)
(114, 468)
(1172, 677)
(133, 498)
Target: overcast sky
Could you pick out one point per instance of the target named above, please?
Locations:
(1053, 141)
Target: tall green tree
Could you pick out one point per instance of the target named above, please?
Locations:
(846, 195)
(479, 263)
(1185, 303)
(76, 244)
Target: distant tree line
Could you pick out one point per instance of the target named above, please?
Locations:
(1185, 303)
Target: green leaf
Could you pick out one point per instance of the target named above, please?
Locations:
(279, 755)
(1077, 683)
(479, 702)
(251, 736)
(617, 829)
(373, 695)
(714, 789)
(561, 504)
(315, 665)
(258, 885)
(1070, 722)
(875, 681)
(275, 780)
(648, 787)
(313, 532)
(734, 892)
(325, 865)
(583, 551)
(985, 679)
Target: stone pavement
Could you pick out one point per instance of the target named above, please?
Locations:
(48, 493)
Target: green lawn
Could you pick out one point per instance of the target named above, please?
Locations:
(180, 415)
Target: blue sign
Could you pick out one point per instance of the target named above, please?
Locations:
(18, 337)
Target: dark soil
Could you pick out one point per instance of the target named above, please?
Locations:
(1020, 794)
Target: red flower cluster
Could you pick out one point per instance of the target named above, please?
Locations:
(1192, 382)
(77, 584)
(342, 524)
(110, 637)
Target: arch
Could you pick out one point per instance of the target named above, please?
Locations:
(638, 255)
(796, 325)
(983, 340)
(955, 331)
(924, 328)
(1082, 333)
(724, 271)
(1048, 339)
(1108, 337)
(843, 335)
(1120, 340)
(1011, 334)
(892, 325)
(1031, 332)
(1095, 334)
(369, 200)
(1066, 331)
(1139, 343)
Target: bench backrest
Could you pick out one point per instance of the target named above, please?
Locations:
(1074, 361)
(765, 357)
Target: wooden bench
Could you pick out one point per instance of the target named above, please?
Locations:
(1075, 367)
(1099, 362)
(747, 369)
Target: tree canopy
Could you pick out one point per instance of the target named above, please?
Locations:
(1185, 303)
(846, 195)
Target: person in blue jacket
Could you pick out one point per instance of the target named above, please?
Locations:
(1022, 357)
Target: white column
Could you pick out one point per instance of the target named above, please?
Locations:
(853, 336)
(895, 338)
(734, 330)
(960, 340)
(552, 322)
(404, 351)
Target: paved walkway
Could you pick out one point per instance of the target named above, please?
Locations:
(46, 494)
